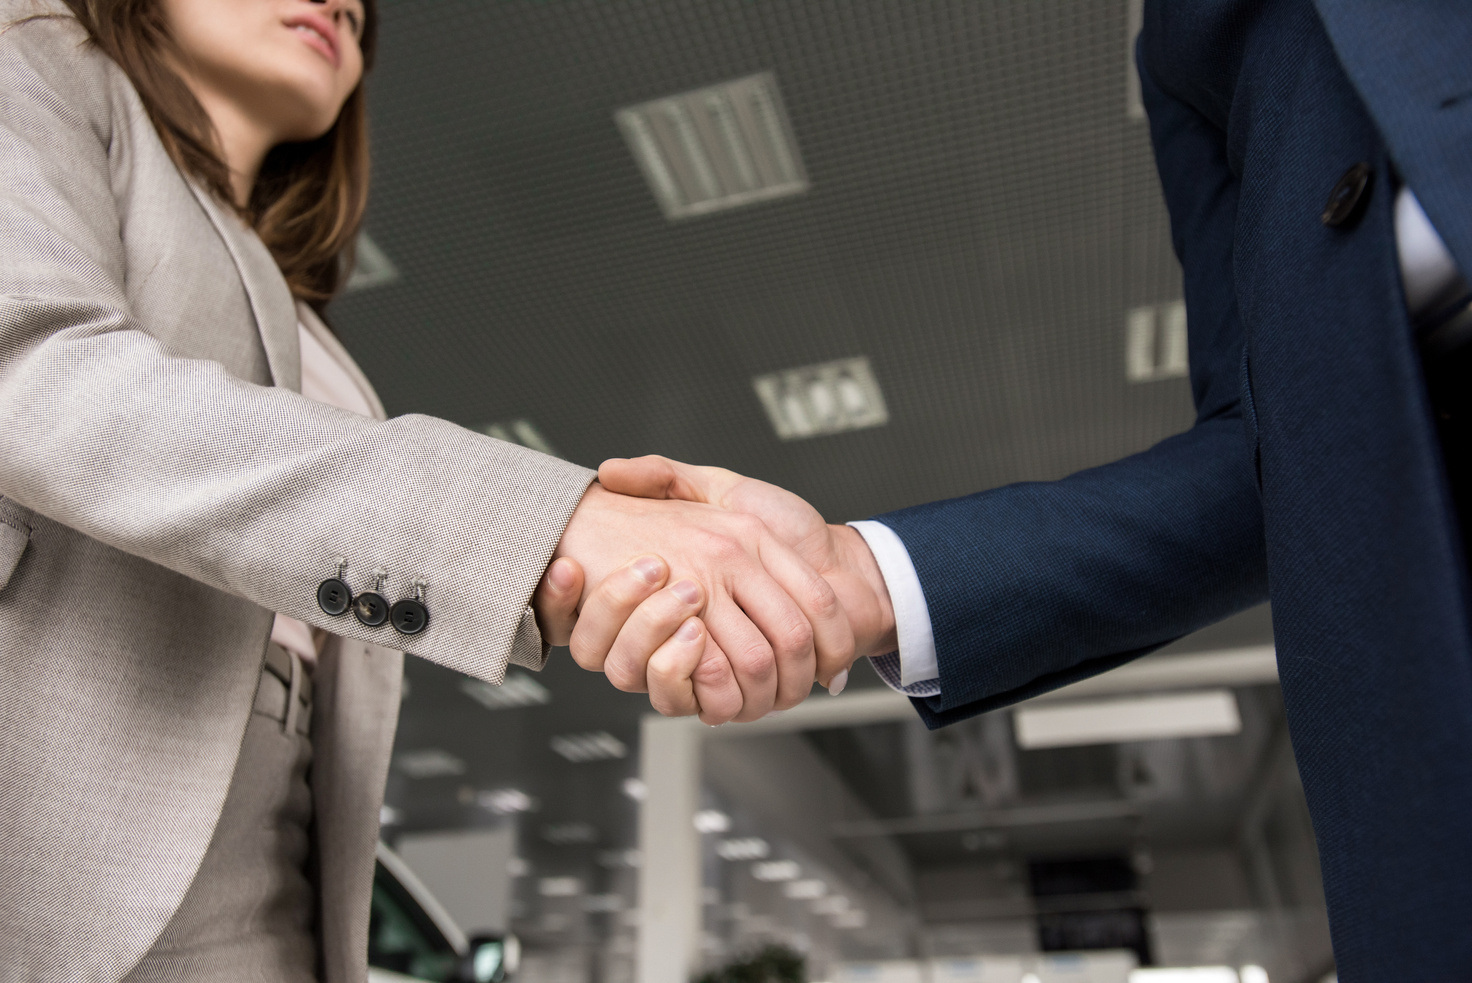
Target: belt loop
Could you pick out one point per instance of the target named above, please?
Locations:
(293, 695)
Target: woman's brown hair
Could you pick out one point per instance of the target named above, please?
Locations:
(309, 197)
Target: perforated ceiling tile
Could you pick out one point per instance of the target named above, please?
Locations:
(982, 215)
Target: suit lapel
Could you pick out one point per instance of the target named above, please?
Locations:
(270, 300)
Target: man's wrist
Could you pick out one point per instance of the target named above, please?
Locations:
(873, 623)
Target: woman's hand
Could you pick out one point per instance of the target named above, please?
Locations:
(642, 637)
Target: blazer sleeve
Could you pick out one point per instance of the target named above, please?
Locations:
(1036, 585)
(250, 489)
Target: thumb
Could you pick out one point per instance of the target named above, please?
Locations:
(653, 476)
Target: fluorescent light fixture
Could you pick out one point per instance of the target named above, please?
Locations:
(635, 789)
(603, 903)
(520, 431)
(1155, 342)
(715, 148)
(620, 858)
(389, 816)
(519, 690)
(856, 918)
(832, 905)
(1144, 718)
(559, 887)
(569, 834)
(712, 821)
(505, 801)
(1253, 974)
(743, 848)
(776, 870)
(371, 266)
(805, 890)
(814, 400)
(429, 763)
(596, 746)
(1184, 974)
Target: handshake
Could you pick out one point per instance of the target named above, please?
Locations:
(739, 598)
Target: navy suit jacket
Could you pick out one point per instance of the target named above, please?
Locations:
(1313, 474)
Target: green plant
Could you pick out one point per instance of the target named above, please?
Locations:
(774, 964)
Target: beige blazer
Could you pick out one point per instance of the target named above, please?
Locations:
(163, 490)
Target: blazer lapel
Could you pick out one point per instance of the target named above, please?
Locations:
(270, 300)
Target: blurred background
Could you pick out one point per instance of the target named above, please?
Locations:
(879, 252)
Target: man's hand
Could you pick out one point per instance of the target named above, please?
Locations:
(770, 619)
(837, 552)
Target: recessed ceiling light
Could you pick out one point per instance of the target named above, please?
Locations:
(619, 858)
(743, 848)
(1156, 342)
(389, 816)
(506, 801)
(519, 690)
(429, 763)
(595, 746)
(520, 431)
(712, 821)
(559, 887)
(1145, 718)
(776, 870)
(832, 905)
(715, 148)
(821, 399)
(371, 267)
(569, 834)
(805, 890)
(635, 789)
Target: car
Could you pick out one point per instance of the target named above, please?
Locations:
(412, 939)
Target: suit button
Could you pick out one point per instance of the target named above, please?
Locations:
(333, 596)
(1344, 201)
(370, 608)
(409, 617)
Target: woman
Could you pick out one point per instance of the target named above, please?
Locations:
(180, 183)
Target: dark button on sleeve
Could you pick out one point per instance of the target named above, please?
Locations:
(409, 617)
(333, 596)
(1344, 201)
(370, 608)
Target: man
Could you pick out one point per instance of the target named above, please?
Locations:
(1313, 157)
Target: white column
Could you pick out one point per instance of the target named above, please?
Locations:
(669, 876)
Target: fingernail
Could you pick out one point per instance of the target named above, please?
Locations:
(560, 575)
(686, 591)
(774, 713)
(689, 631)
(839, 682)
(651, 568)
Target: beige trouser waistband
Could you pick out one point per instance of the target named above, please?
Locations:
(285, 690)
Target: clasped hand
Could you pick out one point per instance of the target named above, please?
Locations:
(738, 597)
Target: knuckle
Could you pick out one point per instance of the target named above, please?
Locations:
(584, 656)
(822, 599)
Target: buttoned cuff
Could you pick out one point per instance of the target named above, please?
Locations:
(913, 670)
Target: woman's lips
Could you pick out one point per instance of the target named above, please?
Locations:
(317, 32)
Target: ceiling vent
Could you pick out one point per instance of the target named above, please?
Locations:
(822, 399)
(716, 148)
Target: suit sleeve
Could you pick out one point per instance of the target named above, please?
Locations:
(1036, 585)
(253, 490)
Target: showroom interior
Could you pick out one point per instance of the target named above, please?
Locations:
(879, 252)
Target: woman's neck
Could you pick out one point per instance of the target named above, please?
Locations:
(243, 141)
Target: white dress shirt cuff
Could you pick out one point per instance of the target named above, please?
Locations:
(913, 670)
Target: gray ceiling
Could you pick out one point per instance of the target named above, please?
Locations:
(982, 215)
